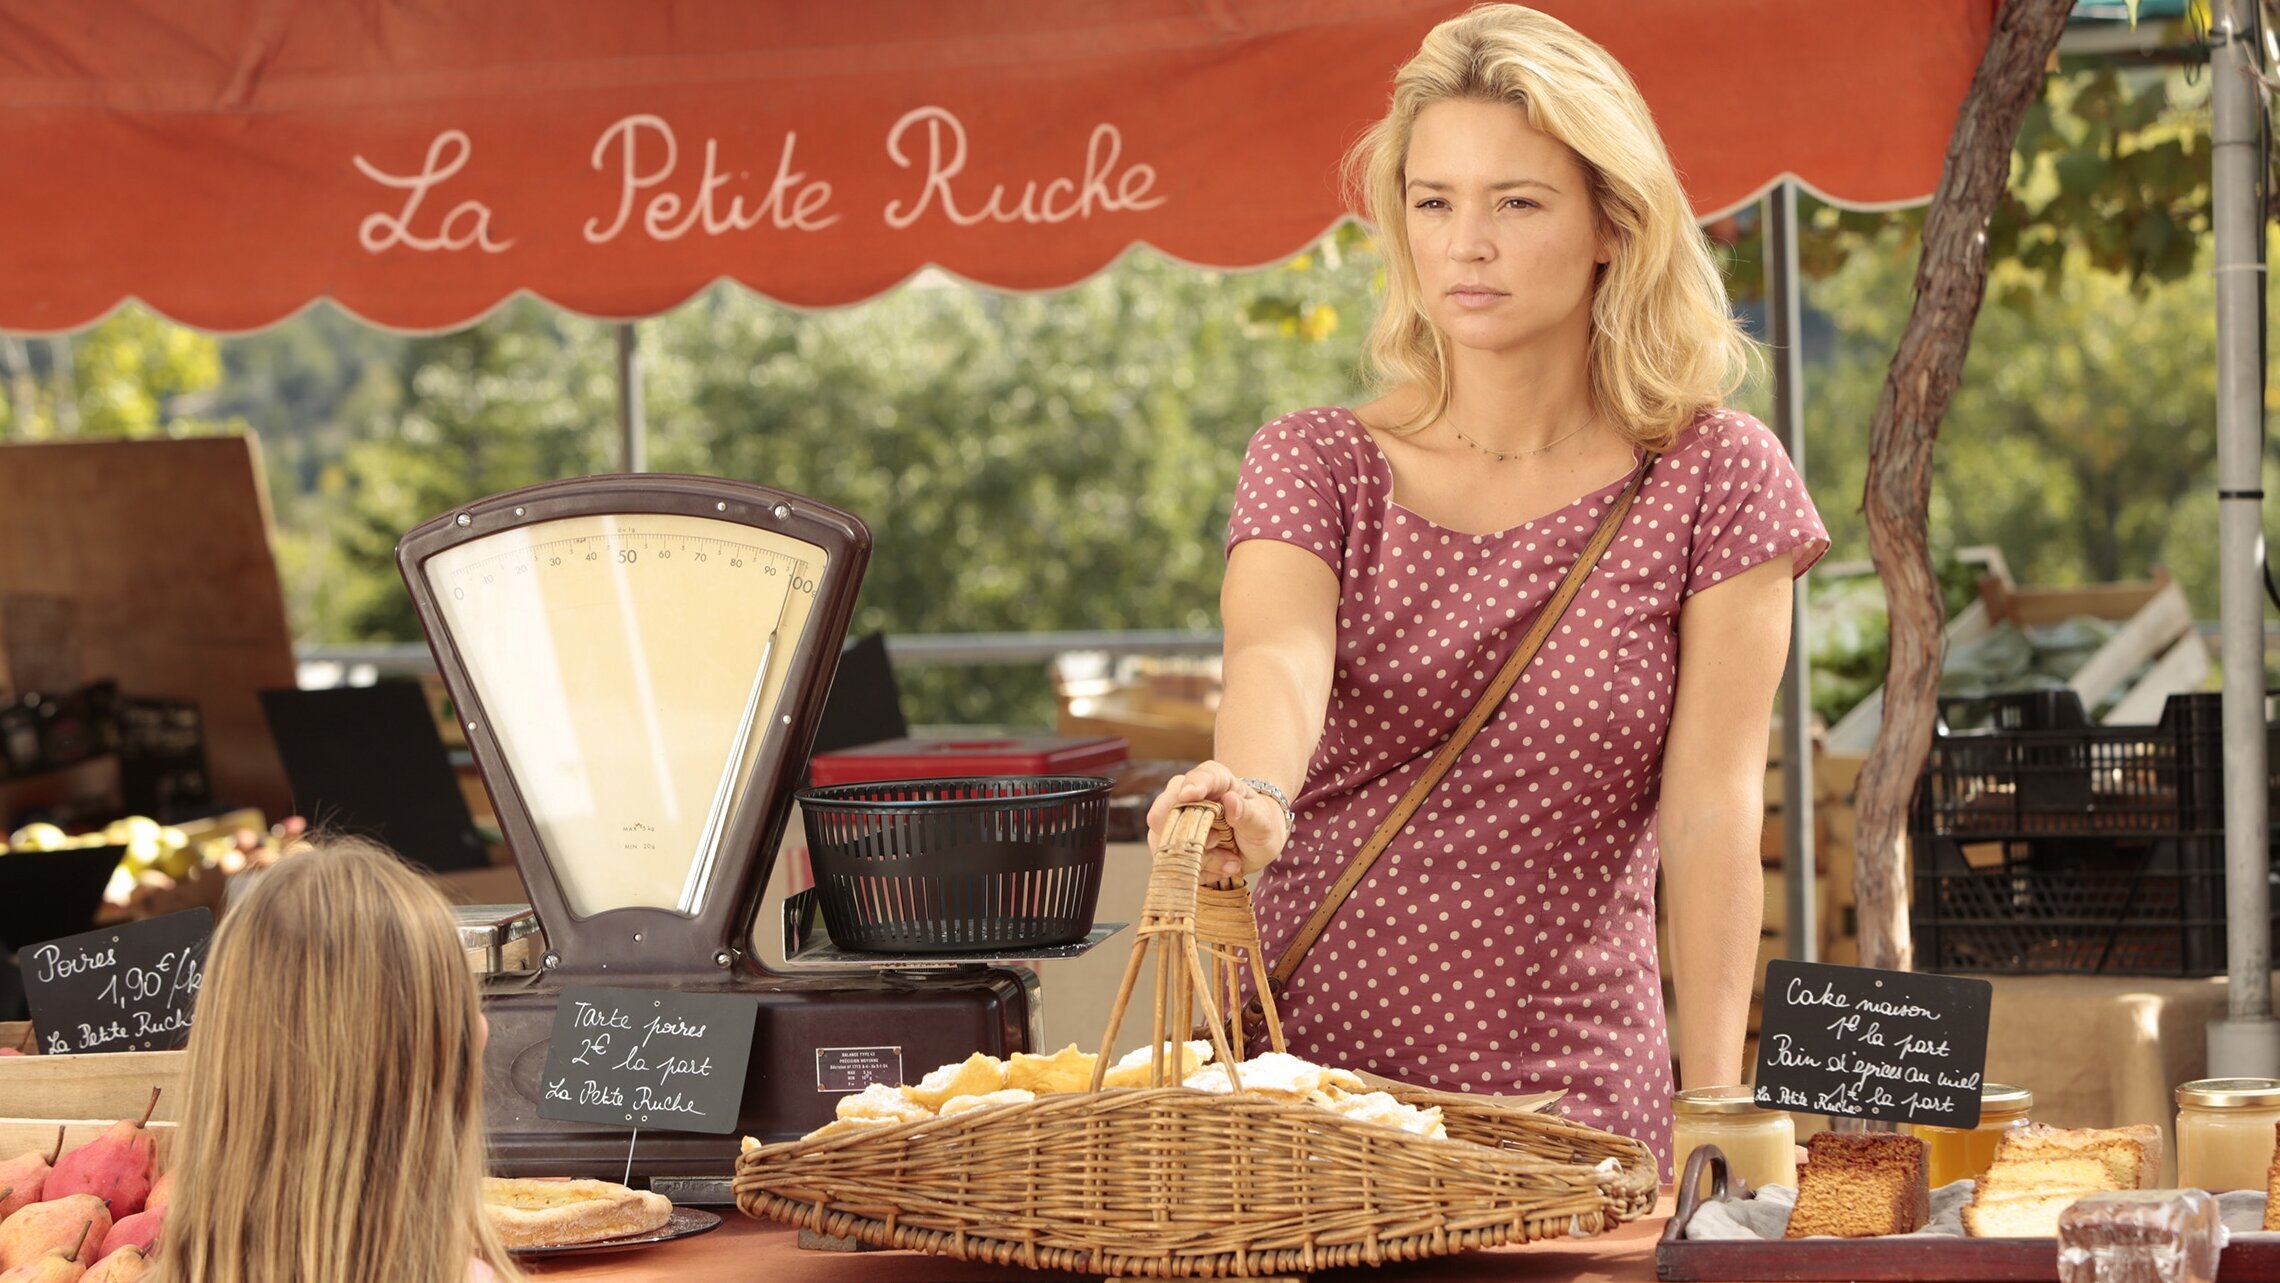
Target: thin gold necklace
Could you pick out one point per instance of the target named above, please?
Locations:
(1502, 456)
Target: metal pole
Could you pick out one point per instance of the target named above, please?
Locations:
(633, 451)
(2246, 1044)
(1785, 309)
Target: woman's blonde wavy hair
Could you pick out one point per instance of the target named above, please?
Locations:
(1664, 342)
(333, 1126)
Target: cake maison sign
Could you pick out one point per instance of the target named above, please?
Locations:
(1866, 1043)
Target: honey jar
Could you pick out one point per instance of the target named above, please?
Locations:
(1760, 1145)
(2224, 1132)
(1965, 1153)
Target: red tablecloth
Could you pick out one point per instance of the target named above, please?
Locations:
(744, 1249)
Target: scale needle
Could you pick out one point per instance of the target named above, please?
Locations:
(716, 820)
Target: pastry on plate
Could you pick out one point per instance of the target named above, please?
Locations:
(560, 1213)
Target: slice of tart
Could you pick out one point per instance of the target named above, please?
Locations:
(529, 1213)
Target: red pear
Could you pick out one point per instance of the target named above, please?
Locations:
(70, 1227)
(139, 1231)
(123, 1266)
(161, 1193)
(115, 1166)
(24, 1178)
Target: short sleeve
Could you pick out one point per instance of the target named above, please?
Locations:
(1289, 491)
(1754, 506)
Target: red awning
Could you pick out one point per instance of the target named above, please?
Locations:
(418, 161)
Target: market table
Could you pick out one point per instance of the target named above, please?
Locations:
(743, 1248)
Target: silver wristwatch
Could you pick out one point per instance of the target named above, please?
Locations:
(1290, 821)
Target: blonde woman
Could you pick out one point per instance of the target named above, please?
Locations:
(1552, 316)
(333, 1130)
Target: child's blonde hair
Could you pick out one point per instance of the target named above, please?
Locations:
(333, 1126)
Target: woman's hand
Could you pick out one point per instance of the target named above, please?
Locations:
(1255, 819)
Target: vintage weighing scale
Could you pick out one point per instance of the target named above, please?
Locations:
(640, 663)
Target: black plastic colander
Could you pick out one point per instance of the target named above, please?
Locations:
(954, 865)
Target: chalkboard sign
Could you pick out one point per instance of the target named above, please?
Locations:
(125, 988)
(1865, 1043)
(648, 1058)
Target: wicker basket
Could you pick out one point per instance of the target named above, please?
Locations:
(1166, 1182)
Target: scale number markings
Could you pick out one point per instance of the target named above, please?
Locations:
(630, 549)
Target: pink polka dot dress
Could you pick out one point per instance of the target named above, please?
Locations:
(1506, 940)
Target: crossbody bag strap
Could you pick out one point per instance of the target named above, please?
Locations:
(1541, 628)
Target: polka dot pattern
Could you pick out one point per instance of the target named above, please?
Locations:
(1506, 941)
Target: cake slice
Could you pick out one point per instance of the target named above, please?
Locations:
(2132, 1154)
(1861, 1185)
(2039, 1172)
(2044, 1176)
(2020, 1215)
(2272, 1184)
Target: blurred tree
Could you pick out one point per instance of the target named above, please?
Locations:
(133, 374)
(1024, 462)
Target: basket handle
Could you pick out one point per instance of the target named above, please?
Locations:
(1713, 1159)
(1185, 988)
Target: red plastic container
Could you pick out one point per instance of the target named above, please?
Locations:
(913, 759)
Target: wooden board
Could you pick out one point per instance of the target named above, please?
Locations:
(111, 1085)
(1908, 1259)
(162, 547)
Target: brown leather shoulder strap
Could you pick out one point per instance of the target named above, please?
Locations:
(1538, 630)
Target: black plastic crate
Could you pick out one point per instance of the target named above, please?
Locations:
(955, 865)
(2045, 842)
(2042, 768)
(2135, 907)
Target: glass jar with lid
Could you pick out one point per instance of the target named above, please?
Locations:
(1965, 1153)
(2224, 1132)
(1760, 1145)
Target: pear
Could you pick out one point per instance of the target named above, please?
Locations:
(69, 1226)
(123, 1266)
(161, 1193)
(139, 1231)
(23, 1179)
(55, 1267)
(115, 1166)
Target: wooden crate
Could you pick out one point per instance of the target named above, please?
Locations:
(113, 1084)
(2157, 626)
(2156, 622)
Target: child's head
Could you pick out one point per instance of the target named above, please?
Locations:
(333, 1129)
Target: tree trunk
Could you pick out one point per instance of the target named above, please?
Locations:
(1951, 280)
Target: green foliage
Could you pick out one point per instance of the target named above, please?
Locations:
(133, 374)
(1024, 462)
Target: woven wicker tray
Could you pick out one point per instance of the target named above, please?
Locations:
(1164, 1182)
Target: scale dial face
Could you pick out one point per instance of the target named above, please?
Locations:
(632, 668)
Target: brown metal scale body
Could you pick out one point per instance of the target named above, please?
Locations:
(640, 664)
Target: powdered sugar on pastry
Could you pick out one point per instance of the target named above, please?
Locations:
(1381, 1108)
(1132, 1071)
(1009, 1096)
(881, 1102)
(973, 1076)
(1274, 1073)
